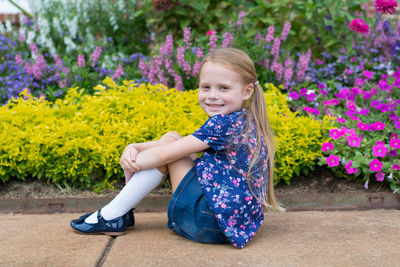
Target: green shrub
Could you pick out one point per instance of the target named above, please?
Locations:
(78, 141)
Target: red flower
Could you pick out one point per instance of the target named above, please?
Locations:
(359, 25)
(385, 6)
(210, 32)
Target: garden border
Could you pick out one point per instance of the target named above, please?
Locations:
(292, 202)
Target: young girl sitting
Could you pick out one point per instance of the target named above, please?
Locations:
(219, 197)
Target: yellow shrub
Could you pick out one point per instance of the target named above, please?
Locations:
(78, 141)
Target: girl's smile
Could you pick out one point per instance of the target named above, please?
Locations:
(221, 90)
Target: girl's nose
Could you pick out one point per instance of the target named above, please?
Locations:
(213, 94)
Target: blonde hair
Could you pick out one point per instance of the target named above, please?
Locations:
(239, 62)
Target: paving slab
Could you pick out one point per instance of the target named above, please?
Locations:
(47, 240)
(306, 238)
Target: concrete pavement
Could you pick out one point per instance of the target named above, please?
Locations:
(306, 238)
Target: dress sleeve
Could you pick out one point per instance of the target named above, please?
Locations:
(215, 131)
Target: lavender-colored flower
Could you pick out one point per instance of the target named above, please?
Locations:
(81, 60)
(228, 38)
(95, 56)
(118, 72)
(186, 37)
(285, 31)
(270, 35)
(34, 48)
(18, 59)
(212, 44)
(275, 48)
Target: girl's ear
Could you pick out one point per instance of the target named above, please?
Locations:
(248, 92)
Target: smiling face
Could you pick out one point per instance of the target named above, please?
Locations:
(221, 90)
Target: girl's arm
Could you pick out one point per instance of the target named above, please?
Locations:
(160, 155)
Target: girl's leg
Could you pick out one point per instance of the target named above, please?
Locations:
(136, 189)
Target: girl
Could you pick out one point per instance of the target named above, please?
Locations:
(219, 197)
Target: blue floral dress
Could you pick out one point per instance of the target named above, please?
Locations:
(222, 172)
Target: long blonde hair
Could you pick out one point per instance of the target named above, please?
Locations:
(239, 62)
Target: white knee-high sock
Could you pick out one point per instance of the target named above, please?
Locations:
(133, 192)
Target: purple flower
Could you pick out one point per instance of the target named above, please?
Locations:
(332, 160)
(228, 38)
(311, 96)
(95, 56)
(375, 165)
(212, 43)
(34, 48)
(393, 153)
(303, 91)
(275, 47)
(294, 95)
(270, 35)
(327, 146)
(364, 111)
(363, 126)
(118, 72)
(285, 31)
(379, 150)
(186, 37)
(368, 74)
(341, 120)
(81, 61)
(379, 176)
(18, 59)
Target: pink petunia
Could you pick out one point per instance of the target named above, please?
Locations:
(332, 160)
(385, 6)
(393, 153)
(341, 120)
(294, 95)
(359, 26)
(327, 146)
(368, 74)
(303, 91)
(349, 168)
(375, 165)
(395, 143)
(379, 150)
(354, 140)
(396, 167)
(378, 125)
(335, 134)
(363, 126)
(380, 176)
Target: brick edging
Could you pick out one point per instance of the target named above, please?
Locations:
(295, 202)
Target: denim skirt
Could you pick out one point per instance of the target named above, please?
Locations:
(189, 214)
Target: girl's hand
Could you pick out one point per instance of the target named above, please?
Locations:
(128, 160)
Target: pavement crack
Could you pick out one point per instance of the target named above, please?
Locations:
(105, 252)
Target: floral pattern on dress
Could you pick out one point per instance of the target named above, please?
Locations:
(222, 173)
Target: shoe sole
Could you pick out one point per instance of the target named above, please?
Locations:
(130, 228)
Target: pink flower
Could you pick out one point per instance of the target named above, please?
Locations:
(118, 72)
(378, 125)
(332, 160)
(359, 26)
(285, 31)
(81, 61)
(354, 141)
(393, 153)
(327, 146)
(379, 150)
(303, 91)
(375, 165)
(18, 59)
(335, 134)
(294, 95)
(379, 176)
(210, 32)
(186, 36)
(349, 168)
(363, 126)
(34, 48)
(95, 56)
(395, 143)
(385, 6)
(275, 47)
(270, 35)
(396, 167)
(368, 74)
(311, 96)
(341, 120)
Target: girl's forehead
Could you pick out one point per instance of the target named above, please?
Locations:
(212, 69)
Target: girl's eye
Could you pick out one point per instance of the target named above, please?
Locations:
(224, 88)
